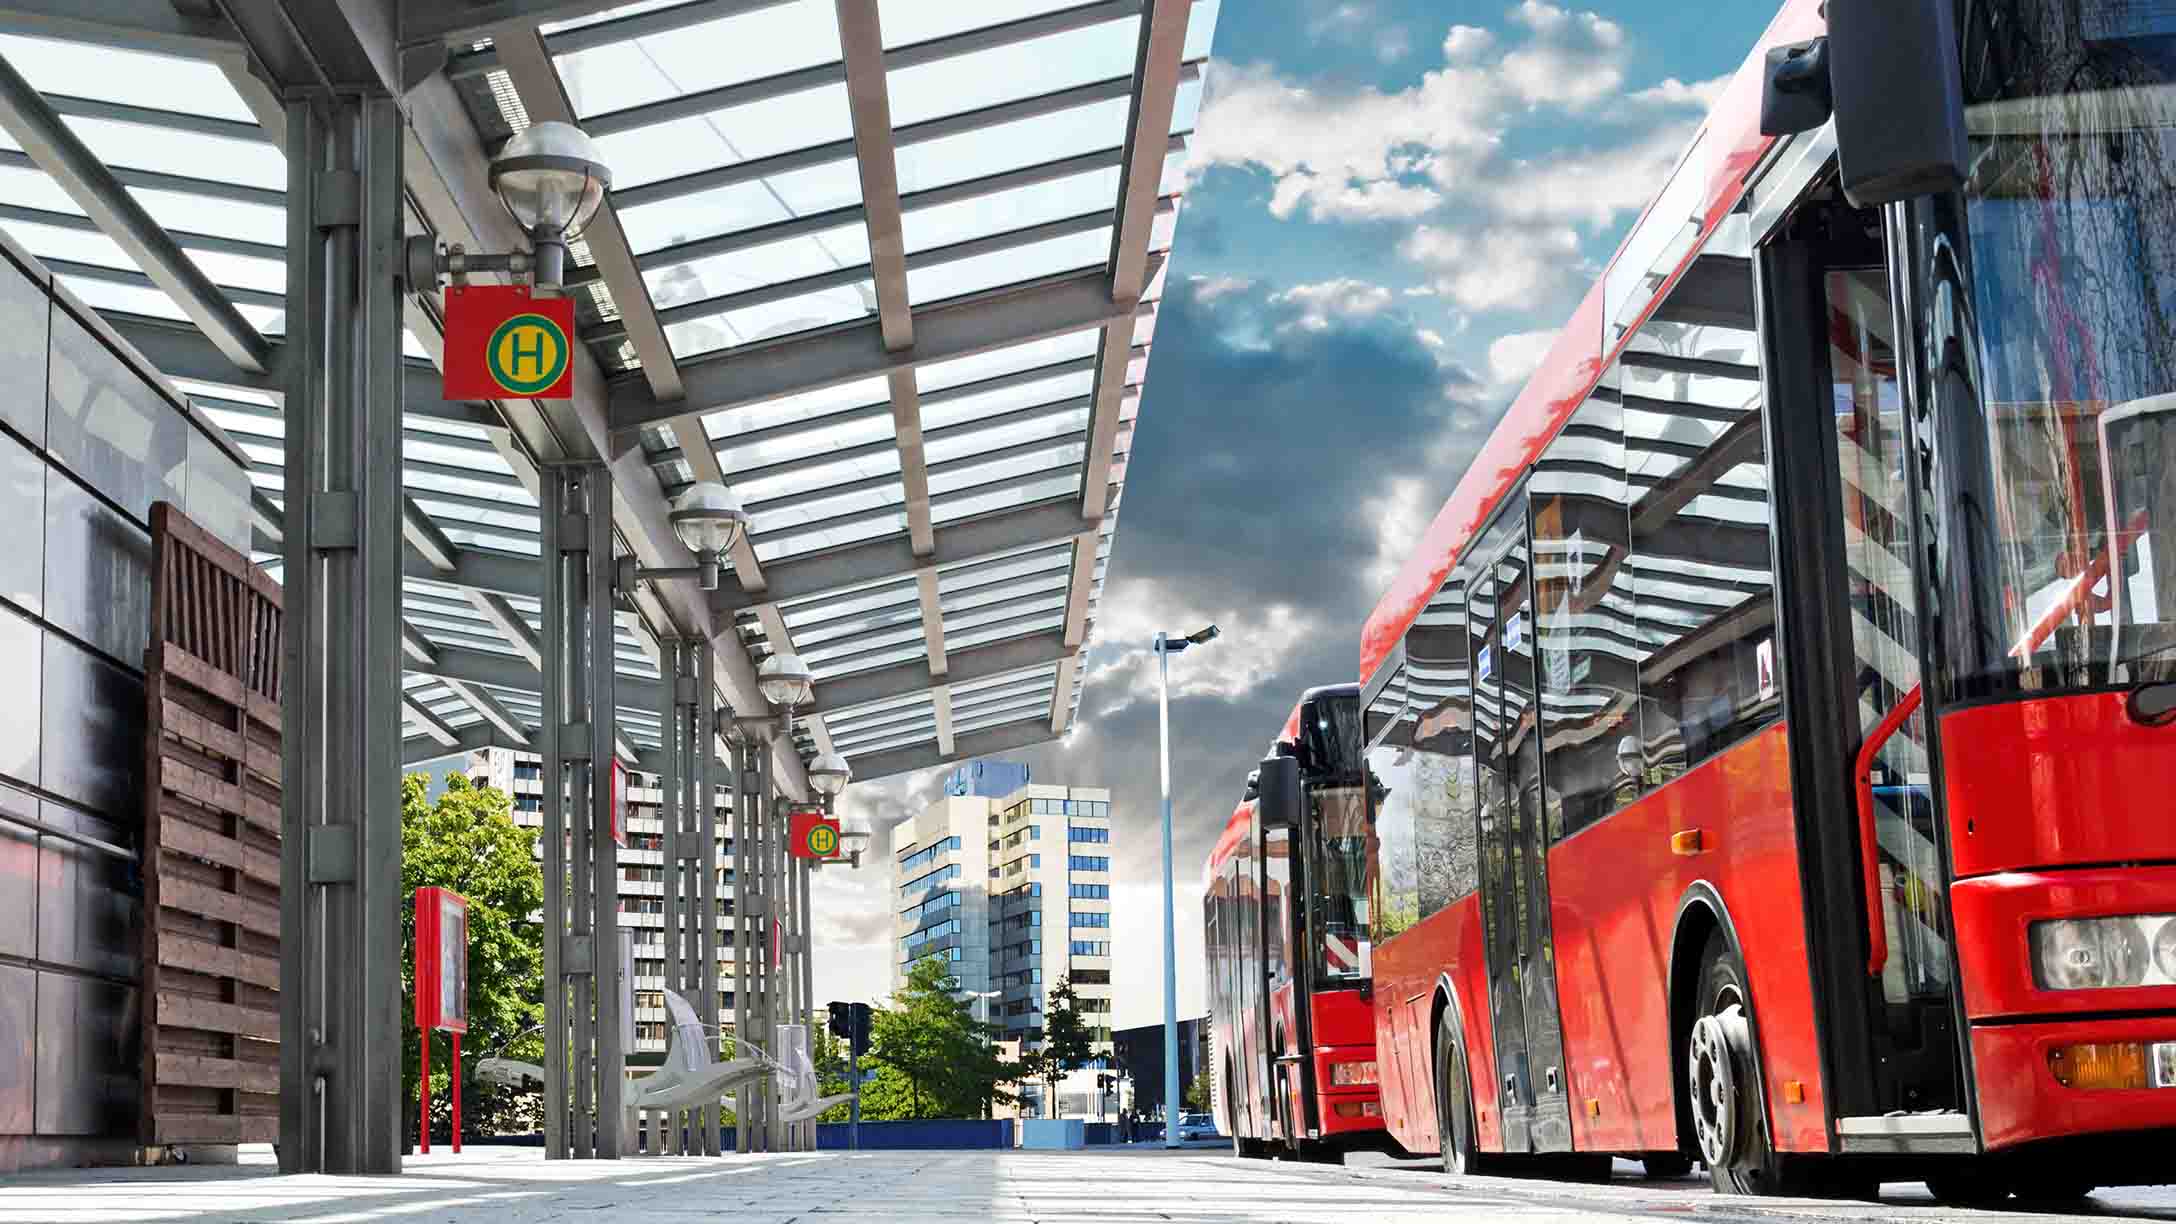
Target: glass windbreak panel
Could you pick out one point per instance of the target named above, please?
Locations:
(958, 277)
(966, 505)
(1072, 196)
(140, 146)
(911, 21)
(737, 206)
(1027, 588)
(813, 478)
(1697, 477)
(771, 263)
(163, 82)
(871, 393)
(797, 512)
(752, 324)
(957, 409)
(943, 375)
(855, 603)
(1585, 632)
(796, 543)
(727, 137)
(1016, 70)
(1013, 467)
(760, 42)
(1009, 146)
(819, 436)
(2072, 213)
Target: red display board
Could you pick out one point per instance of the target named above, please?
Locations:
(619, 802)
(441, 960)
(502, 342)
(812, 835)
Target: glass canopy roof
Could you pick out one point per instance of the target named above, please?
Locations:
(904, 536)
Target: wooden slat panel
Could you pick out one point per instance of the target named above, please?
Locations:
(193, 1011)
(194, 898)
(199, 1071)
(210, 971)
(197, 956)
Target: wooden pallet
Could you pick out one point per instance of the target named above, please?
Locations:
(211, 843)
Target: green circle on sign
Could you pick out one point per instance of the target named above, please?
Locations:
(527, 354)
(823, 840)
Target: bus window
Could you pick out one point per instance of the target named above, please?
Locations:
(1395, 886)
(1441, 771)
(1338, 881)
(2064, 574)
(1697, 477)
(1585, 634)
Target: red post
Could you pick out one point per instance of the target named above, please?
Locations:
(423, 1099)
(456, 1092)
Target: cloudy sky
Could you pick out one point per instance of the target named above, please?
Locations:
(1393, 205)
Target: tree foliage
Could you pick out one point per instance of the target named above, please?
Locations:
(931, 1057)
(468, 842)
(1196, 1098)
(1067, 1043)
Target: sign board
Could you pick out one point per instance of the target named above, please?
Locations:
(619, 803)
(502, 342)
(812, 835)
(441, 960)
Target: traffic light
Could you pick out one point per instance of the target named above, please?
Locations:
(840, 1019)
(858, 1027)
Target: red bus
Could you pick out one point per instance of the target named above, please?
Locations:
(1775, 730)
(1285, 914)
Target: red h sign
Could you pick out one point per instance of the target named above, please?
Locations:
(503, 343)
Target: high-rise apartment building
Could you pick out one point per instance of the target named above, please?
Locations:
(1014, 891)
(642, 878)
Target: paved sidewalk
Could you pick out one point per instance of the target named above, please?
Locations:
(517, 1186)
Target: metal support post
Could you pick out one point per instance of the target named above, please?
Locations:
(1171, 939)
(672, 785)
(774, 897)
(340, 1021)
(698, 763)
(744, 1098)
(807, 1014)
(581, 945)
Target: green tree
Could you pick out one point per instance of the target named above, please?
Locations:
(931, 1057)
(1196, 1098)
(1067, 1041)
(468, 842)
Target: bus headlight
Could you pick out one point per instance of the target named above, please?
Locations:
(1348, 1074)
(2098, 953)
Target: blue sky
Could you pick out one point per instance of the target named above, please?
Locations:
(1392, 206)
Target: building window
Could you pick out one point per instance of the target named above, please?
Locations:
(1090, 862)
(1087, 833)
(1091, 947)
(1092, 892)
(927, 855)
(1091, 920)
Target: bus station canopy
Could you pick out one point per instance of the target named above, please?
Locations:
(887, 269)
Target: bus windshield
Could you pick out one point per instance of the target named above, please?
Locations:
(1340, 894)
(2072, 219)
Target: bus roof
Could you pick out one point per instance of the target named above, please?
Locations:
(1730, 146)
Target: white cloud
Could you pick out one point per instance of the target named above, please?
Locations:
(1393, 43)
(1592, 187)
(1465, 44)
(1697, 95)
(1400, 512)
(1255, 644)
(1343, 298)
(1330, 200)
(1498, 267)
(1511, 359)
(1210, 288)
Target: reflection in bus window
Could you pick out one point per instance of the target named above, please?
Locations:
(1339, 877)
(1586, 633)
(1697, 478)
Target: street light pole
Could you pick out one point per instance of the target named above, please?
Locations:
(1165, 647)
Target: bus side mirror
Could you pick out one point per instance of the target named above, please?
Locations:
(1895, 85)
(1277, 803)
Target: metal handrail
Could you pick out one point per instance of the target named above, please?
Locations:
(1877, 931)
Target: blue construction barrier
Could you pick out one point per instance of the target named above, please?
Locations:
(954, 1134)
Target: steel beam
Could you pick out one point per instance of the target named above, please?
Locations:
(927, 594)
(754, 374)
(1047, 522)
(512, 626)
(433, 726)
(425, 537)
(1080, 587)
(467, 21)
(940, 701)
(180, 351)
(498, 716)
(971, 663)
(988, 742)
(417, 647)
(421, 750)
(58, 151)
(139, 25)
(512, 672)
(1061, 698)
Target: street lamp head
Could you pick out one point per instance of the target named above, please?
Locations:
(551, 180)
(829, 773)
(708, 517)
(1199, 636)
(785, 681)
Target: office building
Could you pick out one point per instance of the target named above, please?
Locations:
(1013, 890)
(642, 879)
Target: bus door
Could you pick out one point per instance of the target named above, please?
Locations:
(1280, 1037)
(1528, 1032)
(1848, 584)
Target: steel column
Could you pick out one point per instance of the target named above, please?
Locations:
(582, 950)
(743, 893)
(340, 1022)
(698, 764)
(673, 783)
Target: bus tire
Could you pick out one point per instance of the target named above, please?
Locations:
(1729, 1118)
(1455, 1130)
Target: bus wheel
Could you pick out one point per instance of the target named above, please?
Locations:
(1664, 1165)
(1727, 1116)
(1454, 1105)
